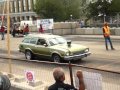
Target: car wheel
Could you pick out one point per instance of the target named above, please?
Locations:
(28, 55)
(56, 58)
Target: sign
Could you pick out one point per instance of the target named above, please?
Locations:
(92, 81)
(46, 23)
(29, 22)
(29, 75)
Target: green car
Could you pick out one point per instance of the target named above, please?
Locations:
(53, 47)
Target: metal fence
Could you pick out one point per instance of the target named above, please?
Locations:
(114, 20)
(43, 72)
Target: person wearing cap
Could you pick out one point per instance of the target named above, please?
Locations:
(59, 77)
(106, 34)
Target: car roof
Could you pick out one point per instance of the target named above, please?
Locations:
(45, 36)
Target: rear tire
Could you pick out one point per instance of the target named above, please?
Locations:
(28, 55)
(56, 58)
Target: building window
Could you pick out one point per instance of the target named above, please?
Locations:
(15, 6)
(24, 5)
(19, 6)
(29, 5)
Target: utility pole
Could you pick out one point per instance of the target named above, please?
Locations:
(8, 35)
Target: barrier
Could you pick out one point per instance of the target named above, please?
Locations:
(44, 77)
(72, 28)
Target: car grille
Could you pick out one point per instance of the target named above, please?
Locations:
(79, 52)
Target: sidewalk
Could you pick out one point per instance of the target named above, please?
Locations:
(93, 36)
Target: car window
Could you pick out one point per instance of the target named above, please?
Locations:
(53, 41)
(26, 40)
(57, 40)
(41, 42)
(61, 40)
(33, 40)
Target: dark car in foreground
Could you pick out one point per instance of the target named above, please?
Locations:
(53, 47)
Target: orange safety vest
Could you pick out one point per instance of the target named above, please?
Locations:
(106, 31)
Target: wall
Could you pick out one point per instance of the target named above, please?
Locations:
(73, 28)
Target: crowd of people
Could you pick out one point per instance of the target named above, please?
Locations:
(17, 29)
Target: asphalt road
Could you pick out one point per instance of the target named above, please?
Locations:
(100, 58)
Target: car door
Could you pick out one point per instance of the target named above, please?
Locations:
(32, 44)
(42, 48)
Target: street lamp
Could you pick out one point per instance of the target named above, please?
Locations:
(71, 22)
(104, 17)
(71, 17)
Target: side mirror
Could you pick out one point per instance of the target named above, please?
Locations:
(45, 44)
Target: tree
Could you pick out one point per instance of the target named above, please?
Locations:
(108, 7)
(99, 7)
(59, 10)
(115, 6)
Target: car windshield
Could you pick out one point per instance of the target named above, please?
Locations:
(57, 40)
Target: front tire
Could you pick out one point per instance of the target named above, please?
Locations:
(56, 58)
(28, 55)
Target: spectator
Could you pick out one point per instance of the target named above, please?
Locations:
(24, 25)
(26, 30)
(82, 23)
(59, 77)
(106, 33)
(14, 30)
(2, 31)
(41, 29)
(4, 83)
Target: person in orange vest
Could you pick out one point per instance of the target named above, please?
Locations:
(2, 31)
(106, 34)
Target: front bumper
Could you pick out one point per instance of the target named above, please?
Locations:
(76, 57)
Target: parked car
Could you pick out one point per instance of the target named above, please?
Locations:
(53, 47)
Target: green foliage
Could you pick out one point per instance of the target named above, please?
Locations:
(115, 6)
(59, 10)
(103, 7)
(99, 7)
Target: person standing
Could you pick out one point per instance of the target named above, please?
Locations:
(2, 31)
(106, 34)
(81, 23)
(14, 30)
(41, 29)
(26, 30)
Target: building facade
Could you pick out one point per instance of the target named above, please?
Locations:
(19, 9)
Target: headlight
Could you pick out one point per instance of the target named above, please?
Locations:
(87, 50)
(67, 53)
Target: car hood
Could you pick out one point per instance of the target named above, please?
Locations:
(72, 48)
